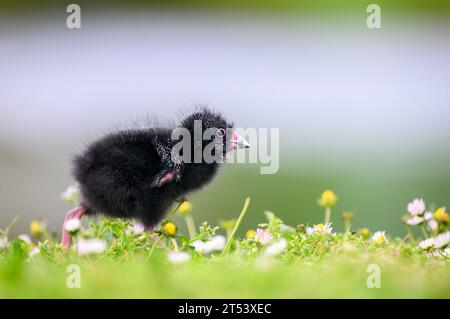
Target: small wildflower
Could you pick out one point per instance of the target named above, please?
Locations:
(37, 228)
(176, 257)
(25, 238)
(320, 228)
(71, 194)
(169, 229)
(72, 226)
(416, 207)
(379, 237)
(415, 220)
(426, 244)
(442, 240)
(185, 208)
(347, 217)
(441, 215)
(91, 246)
(216, 243)
(250, 234)
(138, 228)
(364, 232)
(276, 248)
(263, 236)
(327, 199)
(428, 216)
(34, 251)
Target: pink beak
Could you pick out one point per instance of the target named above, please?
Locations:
(238, 141)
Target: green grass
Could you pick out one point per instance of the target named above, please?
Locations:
(377, 196)
(136, 265)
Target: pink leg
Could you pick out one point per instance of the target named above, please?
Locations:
(66, 238)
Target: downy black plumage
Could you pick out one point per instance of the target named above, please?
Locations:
(132, 173)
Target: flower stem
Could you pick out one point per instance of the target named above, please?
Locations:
(176, 208)
(327, 215)
(410, 233)
(424, 232)
(233, 233)
(75, 243)
(190, 225)
(347, 227)
(175, 245)
(153, 248)
(10, 226)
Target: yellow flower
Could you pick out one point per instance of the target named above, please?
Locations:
(441, 215)
(185, 208)
(327, 199)
(250, 234)
(37, 228)
(347, 216)
(364, 232)
(379, 237)
(169, 229)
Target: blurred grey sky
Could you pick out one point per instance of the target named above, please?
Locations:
(332, 86)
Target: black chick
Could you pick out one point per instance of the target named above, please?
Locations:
(138, 174)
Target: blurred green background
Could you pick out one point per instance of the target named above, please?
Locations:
(362, 112)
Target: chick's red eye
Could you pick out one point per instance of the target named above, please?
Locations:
(221, 132)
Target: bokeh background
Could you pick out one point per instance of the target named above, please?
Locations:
(364, 112)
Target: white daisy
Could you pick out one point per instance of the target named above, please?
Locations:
(178, 257)
(415, 220)
(319, 228)
(416, 207)
(72, 225)
(216, 243)
(426, 244)
(91, 246)
(25, 238)
(379, 237)
(442, 239)
(263, 236)
(276, 248)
